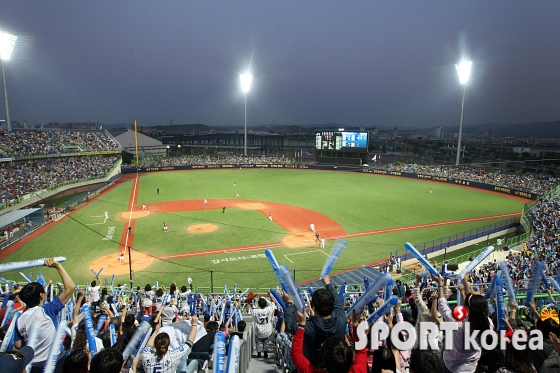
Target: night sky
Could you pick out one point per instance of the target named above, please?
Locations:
(358, 63)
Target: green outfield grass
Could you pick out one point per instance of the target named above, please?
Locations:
(358, 202)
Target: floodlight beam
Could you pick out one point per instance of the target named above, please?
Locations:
(245, 79)
(7, 43)
(464, 72)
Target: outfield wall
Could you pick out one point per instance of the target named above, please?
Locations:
(473, 184)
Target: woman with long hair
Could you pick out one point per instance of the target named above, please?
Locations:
(80, 341)
(173, 293)
(147, 302)
(157, 353)
(458, 359)
(516, 361)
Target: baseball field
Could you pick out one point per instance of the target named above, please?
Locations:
(264, 208)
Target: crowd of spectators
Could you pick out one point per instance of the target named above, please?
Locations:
(319, 338)
(25, 144)
(533, 183)
(199, 160)
(19, 178)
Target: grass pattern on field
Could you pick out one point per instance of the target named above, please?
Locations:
(358, 202)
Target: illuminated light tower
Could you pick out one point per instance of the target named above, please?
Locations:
(464, 71)
(246, 79)
(7, 42)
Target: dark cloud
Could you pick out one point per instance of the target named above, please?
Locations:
(359, 63)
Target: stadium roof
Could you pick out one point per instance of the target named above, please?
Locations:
(128, 140)
(13, 216)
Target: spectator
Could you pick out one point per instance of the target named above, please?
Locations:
(77, 362)
(424, 361)
(157, 355)
(33, 295)
(109, 360)
(263, 325)
(459, 359)
(328, 320)
(336, 354)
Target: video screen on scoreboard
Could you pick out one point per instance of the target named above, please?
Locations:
(342, 141)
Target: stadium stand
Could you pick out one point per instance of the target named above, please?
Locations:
(111, 323)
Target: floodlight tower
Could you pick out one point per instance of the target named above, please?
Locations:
(464, 71)
(7, 42)
(246, 79)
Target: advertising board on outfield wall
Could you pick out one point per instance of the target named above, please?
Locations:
(474, 184)
(202, 167)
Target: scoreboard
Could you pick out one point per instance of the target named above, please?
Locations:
(355, 142)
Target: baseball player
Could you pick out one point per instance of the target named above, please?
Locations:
(121, 256)
(106, 214)
(143, 206)
(165, 227)
(312, 227)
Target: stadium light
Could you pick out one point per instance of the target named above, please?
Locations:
(7, 43)
(464, 72)
(246, 79)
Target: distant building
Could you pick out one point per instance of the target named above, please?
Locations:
(258, 142)
(521, 150)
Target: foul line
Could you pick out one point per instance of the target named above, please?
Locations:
(368, 233)
(131, 208)
(305, 252)
(429, 225)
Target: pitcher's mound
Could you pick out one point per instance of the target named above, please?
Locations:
(111, 265)
(202, 228)
(135, 214)
(300, 239)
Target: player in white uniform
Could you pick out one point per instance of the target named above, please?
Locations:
(269, 216)
(156, 356)
(143, 206)
(312, 227)
(106, 214)
(165, 227)
(322, 242)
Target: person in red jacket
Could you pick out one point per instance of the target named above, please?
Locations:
(337, 354)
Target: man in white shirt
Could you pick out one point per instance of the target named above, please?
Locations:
(42, 315)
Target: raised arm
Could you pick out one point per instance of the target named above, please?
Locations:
(150, 342)
(76, 318)
(69, 284)
(418, 297)
(192, 334)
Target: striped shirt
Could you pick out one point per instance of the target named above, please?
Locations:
(263, 320)
(167, 363)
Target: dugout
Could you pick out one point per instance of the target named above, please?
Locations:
(15, 224)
